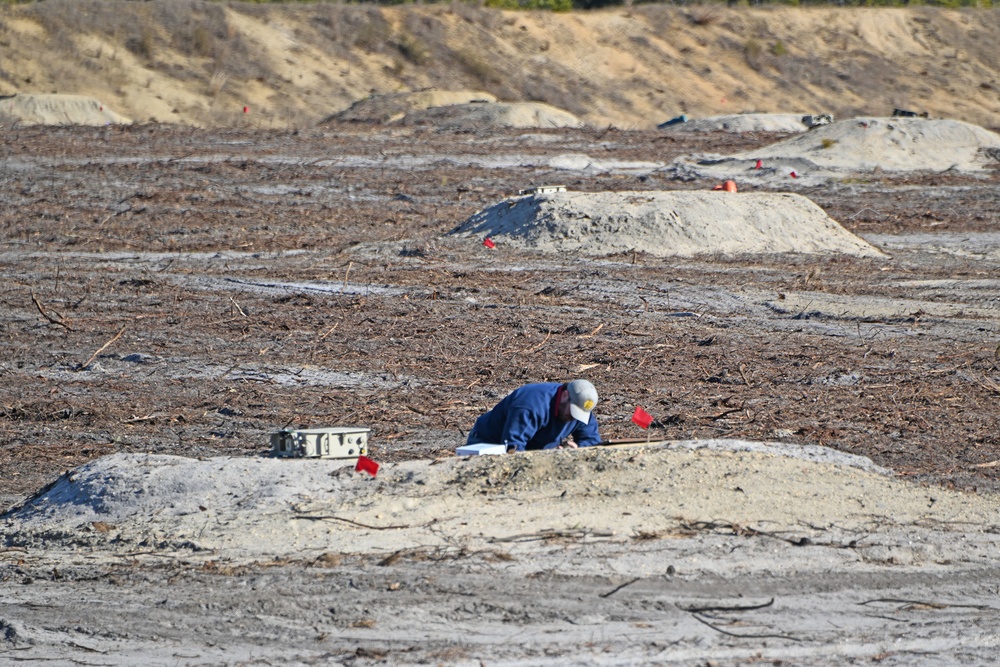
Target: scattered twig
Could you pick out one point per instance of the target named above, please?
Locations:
(766, 635)
(743, 374)
(615, 590)
(329, 331)
(699, 610)
(929, 605)
(724, 414)
(346, 274)
(330, 517)
(240, 310)
(553, 534)
(102, 348)
(50, 318)
(537, 347)
(85, 648)
(135, 420)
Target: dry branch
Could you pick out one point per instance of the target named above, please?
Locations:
(101, 349)
(50, 318)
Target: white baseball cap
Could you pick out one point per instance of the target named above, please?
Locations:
(582, 399)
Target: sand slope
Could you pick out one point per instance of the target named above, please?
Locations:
(296, 63)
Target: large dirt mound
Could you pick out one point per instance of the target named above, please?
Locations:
(854, 146)
(394, 106)
(892, 144)
(254, 506)
(58, 110)
(682, 223)
(496, 115)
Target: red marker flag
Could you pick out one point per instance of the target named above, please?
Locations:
(760, 163)
(365, 464)
(642, 418)
(794, 175)
(246, 109)
(488, 242)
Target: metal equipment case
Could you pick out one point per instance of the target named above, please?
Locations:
(321, 443)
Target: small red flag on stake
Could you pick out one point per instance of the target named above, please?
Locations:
(642, 418)
(365, 464)
(794, 175)
(488, 242)
(760, 164)
(246, 109)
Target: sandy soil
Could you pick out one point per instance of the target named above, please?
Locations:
(182, 293)
(292, 64)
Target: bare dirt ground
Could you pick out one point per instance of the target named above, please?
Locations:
(186, 292)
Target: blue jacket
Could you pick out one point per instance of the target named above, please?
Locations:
(526, 420)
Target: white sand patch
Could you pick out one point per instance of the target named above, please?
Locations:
(52, 109)
(683, 223)
(747, 122)
(500, 114)
(394, 106)
(853, 146)
(819, 304)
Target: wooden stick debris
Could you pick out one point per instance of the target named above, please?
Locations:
(929, 605)
(618, 588)
(553, 534)
(50, 318)
(102, 348)
(768, 635)
(700, 610)
(330, 517)
(538, 347)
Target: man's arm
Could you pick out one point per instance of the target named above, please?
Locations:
(587, 435)
(520, 427)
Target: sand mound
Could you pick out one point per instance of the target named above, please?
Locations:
(501, 114)
(748, 122)
(683, 223)
(852, 146)
(394, 106)
(58, 110)
(895, 144)
(244, 506)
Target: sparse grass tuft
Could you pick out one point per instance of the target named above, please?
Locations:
(413, 49)
(754, 53)
(704, 16)
(828, 143)
(477, 66)
(778, 49)
(142, 44)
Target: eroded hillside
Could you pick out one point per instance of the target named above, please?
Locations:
(291, 65)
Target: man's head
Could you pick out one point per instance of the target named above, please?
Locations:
(582, 399)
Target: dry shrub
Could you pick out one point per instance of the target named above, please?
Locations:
(477, 66)
(413, 49)
(704, 15)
